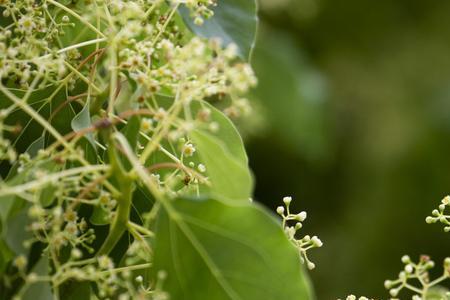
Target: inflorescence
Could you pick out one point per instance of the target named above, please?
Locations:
(418, 272)
(302, 244)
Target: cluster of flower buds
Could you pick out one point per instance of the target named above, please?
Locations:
(439, 215)
(353, 297)
(302, 244)
(418, 272)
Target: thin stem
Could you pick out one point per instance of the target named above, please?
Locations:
(5, 191)
(30, 111)
(80, 18)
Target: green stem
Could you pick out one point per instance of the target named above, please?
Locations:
(121, 219)
(120, 222)
(80, 18)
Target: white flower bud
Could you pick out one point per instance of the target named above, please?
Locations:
(446, 200)
(311, 265)
(287, 200)
(198, 21)
(406, 259)
(280, 210)
(409, 268)
(393, 292)
(316, 241)
(387, 284)
(201, 168)
(301, 216)
(430, 220)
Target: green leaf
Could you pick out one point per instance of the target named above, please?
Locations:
(229, 177)
(131, 131)
(47, 195)
(294, 101)
(37, 145)
(5, 255)
(82, 121)
(234, 21)
(216, 250)
(226, 131)
(223, 154)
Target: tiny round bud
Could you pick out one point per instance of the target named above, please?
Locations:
(387, 284)
(198, 21)
(393, 292)
(287, 200)
(409, 268)
(162, 275)
(316, 241)
(280, 210)
(446, 200)
(301, 216)
(201, 168)
(32, 277)
(429, 220)
(139, 279)
(406, 259)
(447, 261)
(76, 253)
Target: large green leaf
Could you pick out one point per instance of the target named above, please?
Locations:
(234, 21)
(294, 101)
(216, 250)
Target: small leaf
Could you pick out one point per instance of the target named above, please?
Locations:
(5, 255)
(216, 250)
(82, 121)
(131, 131)
(47, 195)
(229, 177)
(234, 21)
(37, 145)
(223, 153)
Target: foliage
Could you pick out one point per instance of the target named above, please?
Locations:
(120, 179)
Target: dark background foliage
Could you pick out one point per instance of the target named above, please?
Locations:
(353, 121)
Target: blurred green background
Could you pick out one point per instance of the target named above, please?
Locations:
(353, 120)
